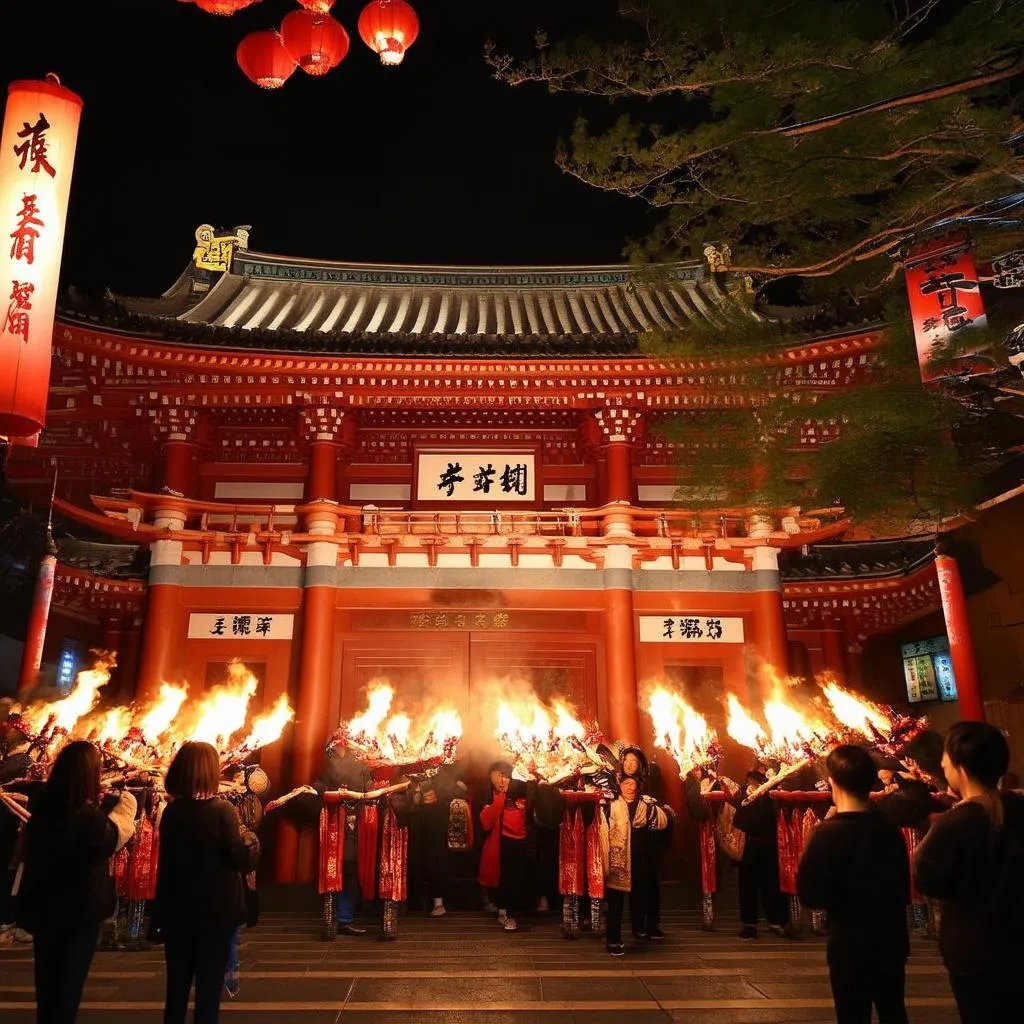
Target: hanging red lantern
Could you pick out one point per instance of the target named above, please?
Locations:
(37, 153)
(389, 27)
(317, 6)
(225, 8)
(316, 42)
(265, 61)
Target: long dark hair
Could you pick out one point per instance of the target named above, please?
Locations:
(74, 779)
(194, 773)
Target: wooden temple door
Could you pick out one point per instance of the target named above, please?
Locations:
(550, 665)
(425, 669)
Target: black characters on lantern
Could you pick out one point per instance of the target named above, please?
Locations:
(34, 147)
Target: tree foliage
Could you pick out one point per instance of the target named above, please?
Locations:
(809, 142)
(810, 136)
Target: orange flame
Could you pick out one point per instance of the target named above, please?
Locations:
(378, 735)
(742, 728)
(158, 719)
(545, 742)
(856, 713)
(681, 731)
(222, 712)
(267, 728)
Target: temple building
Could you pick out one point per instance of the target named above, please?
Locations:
(445, 476)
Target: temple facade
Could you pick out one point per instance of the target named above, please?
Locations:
(443, 476)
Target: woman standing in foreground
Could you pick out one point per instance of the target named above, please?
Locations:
(200, 890)
(67, 890)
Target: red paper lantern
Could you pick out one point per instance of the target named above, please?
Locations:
(389, 27)
(265, 61)
(37, 154)
(316, 42)
(317, 6)
(225, 8)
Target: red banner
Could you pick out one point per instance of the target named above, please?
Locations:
(37, 153)
(945, 301)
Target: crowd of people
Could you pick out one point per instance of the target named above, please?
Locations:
(855, 868)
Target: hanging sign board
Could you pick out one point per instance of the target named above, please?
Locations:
(476, 477)
(240, 626)
(945, 303)
(690, 629)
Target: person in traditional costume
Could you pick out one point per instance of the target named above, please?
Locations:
(759, 865)
(503, 859)
(634, 821)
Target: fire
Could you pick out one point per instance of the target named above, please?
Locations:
(682, 732)
(395, 739)
(545, 742)
(267, 728)
(857, 714)
(158, 719)
(146, 738)
(223, 711)
(742, 728)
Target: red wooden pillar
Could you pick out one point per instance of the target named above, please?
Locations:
(961, 643)
(177, 463)
(130, 645)
(316, 668)
(35, 635)
(321, 482)
(619, 455)
(620, 666)
(769, 621)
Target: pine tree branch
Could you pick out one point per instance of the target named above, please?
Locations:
(939, 92)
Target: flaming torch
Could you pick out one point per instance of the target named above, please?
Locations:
(683, 733)
(379, 738)
(547, 742)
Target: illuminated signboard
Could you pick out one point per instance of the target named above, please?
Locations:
(928, 670)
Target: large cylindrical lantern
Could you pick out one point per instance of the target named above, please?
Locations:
(389, 28)
(265, 61)
(225, 8)
(37, 155)
(316, 42)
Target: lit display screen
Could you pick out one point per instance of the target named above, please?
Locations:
(928, 670)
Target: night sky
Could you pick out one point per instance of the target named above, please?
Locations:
(430, 162)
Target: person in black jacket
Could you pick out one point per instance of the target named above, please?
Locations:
(973, 861)
(856, 869)
(67, 890)
(200, 888)
(759, 867)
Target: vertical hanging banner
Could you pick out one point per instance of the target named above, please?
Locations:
(945, 302)
(37, 154)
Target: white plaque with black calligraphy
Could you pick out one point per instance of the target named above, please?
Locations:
(690, 629)
(240, 626)
(482, 477)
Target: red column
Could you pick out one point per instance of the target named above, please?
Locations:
(770, 630)
(316, 666)
(620, 666)
(322, 479)
(35, 635)
(177, 468)
(130, 659)
(619, 471)
(159, 639)
(961, 644)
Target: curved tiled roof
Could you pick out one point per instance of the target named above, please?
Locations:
(275, 293)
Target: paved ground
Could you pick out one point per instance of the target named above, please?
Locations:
(463, 968)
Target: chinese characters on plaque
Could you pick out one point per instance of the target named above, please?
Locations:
(490, 478)
(240, 626)
(928, 670)
(688, 629)
(945, 300)
(37, 152)
(459, 620)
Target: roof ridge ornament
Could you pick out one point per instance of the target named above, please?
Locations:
(215, 247)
